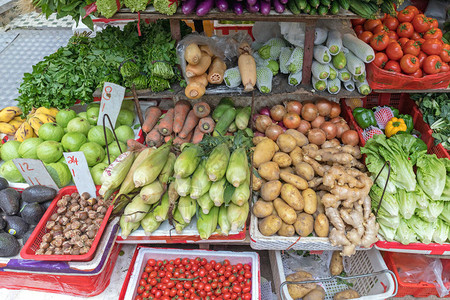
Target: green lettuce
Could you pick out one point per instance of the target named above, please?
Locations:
(432, 212)
(423, 229)
(440, 235)
(388, 233)
(383, 217)
(406, 203)
(431, 175)
(389, 203)
(446, 193)
(445, 214)
(405, 234)
(420, 197)
(413, 146)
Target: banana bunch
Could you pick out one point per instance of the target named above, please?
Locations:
(34, 121)
(10, 120)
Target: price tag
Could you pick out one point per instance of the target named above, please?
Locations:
(34, 172)
(80, 172)
(112, 97)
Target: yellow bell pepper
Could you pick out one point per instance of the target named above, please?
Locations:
(395, 125)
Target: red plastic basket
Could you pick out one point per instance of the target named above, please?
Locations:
(32, 245)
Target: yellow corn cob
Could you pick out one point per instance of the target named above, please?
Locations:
(35, 123)
(48, 111)
(7, 128)
(24, 132)
(8, 113)
(44, 118)
(16, 124)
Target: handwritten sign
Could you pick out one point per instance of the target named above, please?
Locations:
(80, 172)
(112, 97)
(34, 172)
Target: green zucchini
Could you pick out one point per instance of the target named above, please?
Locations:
(365, 10)
(345, 4)
(326, 3)
(307, 9)
(334, 9)
(225, 121)
(301, 4)
(293, 7)
(313, 12)
(322, 10)
(314, 3)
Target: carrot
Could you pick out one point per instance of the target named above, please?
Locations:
(216, 71)
(167, 138)
(200, 68)
(202, 79)
(166, 124)
(198, 135)
(192, 54)
(180, 112)
(206, 125)
(189, 124)
(151, 118)
(154, 138)
(180, 141)
(247, 68)
(194, 90)
(205, 48)
(134, 145)
(201, 109)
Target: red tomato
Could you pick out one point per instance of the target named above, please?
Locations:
(151, 262)
(380, 28)
(138, 298)
(445, 53)
(371, 24)
(432, 46)
(420, 41)
(405, 15)
(411, 47)
(432, 64)
(405, 30)
(358, 29)
(141, 289)
(393, 66)
(392, 35)
(445, 67)
(409, 64)
(418, 73)
(237, 288)
(416, 36)
(421, 57)
(356, 22)
(433, 33)
(144, 275)
(379, 41)
(247, 296)
(185, 261)
(420, 23)
(413, 9)
(402, 41)
(143, 282)
(366, 36)
(391, 23)
(394, 51)
(433, 23)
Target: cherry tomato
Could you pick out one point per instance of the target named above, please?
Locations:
(379, 42)
(187, 295)
(391, 23)
(445, 53)
(184, 261)
(413, 9)
(151, 262)
(417, 74)
(380, 28)
(405, 15)
(358, 29)
(433, 33)
(217, 266)
(433, 23)
(143, 282)
(203, 262)
(393, 66)
(246, 289)
(153, 274)
(226, 296)
(247, 296)
(165, 298)
(138, 298)
(392, 35)
(153, 290)
(239, 266)
(226, 283)
(405, 29)
(141, 289)
(237, 289)
(409, 64)
(247, 267)
(411, 47)
(432, 64)
(145, 294)
(366, 36)
(177, 261)
(213, 263)
(420, 23)
(158, 294)
(144, 275)
(181, 292)
(445, 67)
(148, 269)
(202, 294)
(432, 46)
(393, 51)
(356, 22)
(202, 272)
(371, 24)
(248, 274)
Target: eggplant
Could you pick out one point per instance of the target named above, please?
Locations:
(188, 6)
(251, 3)
(222, 5)
(265, 7)
(253, 8)
(278, 6)
(204, 7)
(238, 8)
(283, 1)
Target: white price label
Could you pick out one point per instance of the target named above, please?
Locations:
(34, 172)
(111, 102)
(80, 172)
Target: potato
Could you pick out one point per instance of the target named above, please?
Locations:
(282, 159)
(286, 142)
(286, 230)
(271, 190)
(297, 291)
(316, 294)
(270, 225)
(304, 224)
(287, 170)
(257, 182)
(292, 196)
(336, 263)
(321, 225)
(347, 294)
(295, 180)
(264, 152)
(258, 139)
(262, 209)
(269, 170)
(296, 155)
(286, 213)
(309, 196)
(304, 170)
(299, 137)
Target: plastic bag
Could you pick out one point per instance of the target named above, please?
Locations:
(294, 33)
(264, 31)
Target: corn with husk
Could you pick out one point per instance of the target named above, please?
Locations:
(127, 227)
(205, 203)
(241, 194)
(180, 224)
(173, 197)
(151, 167)
(116, 172)
(216, 191)
(207, 223)
(152, 192)
(200, 183)
(217, 162)
(149, 223)
(187, 161)
(237, 215)
(237, 167)
(162, 209)
(224, 224)
(183, 186)
(136, 210)
(167, 171)
(187, 208)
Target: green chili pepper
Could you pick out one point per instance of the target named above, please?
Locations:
(364, 117)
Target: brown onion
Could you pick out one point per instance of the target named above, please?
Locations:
(309, 112)
(350, 137)
(341, 127)
(329, 129)
(277, 112)
(324, 107)
(317, 122)
(262, 122)
(304, 126)
(273, 131)
(335, 110)
(294, 106)
(317, 136)
(337, 120)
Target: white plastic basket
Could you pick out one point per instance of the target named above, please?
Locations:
(381, 286)
(161, 254)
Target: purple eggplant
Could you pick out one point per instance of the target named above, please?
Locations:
(253, 8)
(264, 7)
(222, 5)
(251, 2)
(204, 7)
(188, 6)
(278, 6)
(238, 8)
(283, 1)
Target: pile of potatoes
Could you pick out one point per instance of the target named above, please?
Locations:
(287, 205)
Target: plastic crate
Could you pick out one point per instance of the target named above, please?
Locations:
(32, 245)
(227, 29)
(381, 286)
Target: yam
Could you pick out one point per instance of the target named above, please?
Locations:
(192, 54)
(282, 159)
(284, 211)
(271, 190)
(299, 137)
(321, 225)
(286, 230)
(201, 79)
(310, 199)
(292, 196)
(304, 170)
(200, 68)
(336, 263)
(262, 209)
(270, 225)
(264, 152)
(286, 142)
(316, 294)
(297, 291)
(295, 180)
(269, 171)
(296, 155)
(347, 294)
(304, 224)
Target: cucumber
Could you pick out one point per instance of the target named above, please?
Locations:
(322, 10)
(345, 4)
(314, 3)
(293, 7)
(301, 4)
(225, 121)
(334, 9)
(326, 3)
(307, 9)
(313, 11)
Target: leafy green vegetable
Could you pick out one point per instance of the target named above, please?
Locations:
(62, 8)
(405, 234)
(165, 6)
(431, 175)
(406, 202)
(432, 212)
(136, 5)
(440, 235)
(387, 232)
(107, 8)
(424, 230)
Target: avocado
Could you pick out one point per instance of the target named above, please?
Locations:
(9, 246)
(38, 193)
(3, 183)
(32, 213)
(46, 204)
(27, 234)
(9, 201)
(16, 226)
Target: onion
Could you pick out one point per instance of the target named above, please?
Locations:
(335, 110)
(255, 116)
(341, 127)
(294, 106)
(317, 122)
(317, 136)
(329, 129)
(304, 126)
(281, 124)
(309, 112)
(273, 131)
(277, 112)
(337, 120)
(265, 111)
(257, 133)
(324, 107)
(350, 137)
(291, 120)
(262, 122)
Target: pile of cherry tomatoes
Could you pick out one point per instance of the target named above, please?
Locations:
(195, 279)
(411, 43)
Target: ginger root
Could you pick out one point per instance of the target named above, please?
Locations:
(370, 234)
